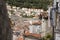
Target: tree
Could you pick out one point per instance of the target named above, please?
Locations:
(41, 4)
(5, 28)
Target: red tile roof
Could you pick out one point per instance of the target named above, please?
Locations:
(36, 23)
(20, 38)
(33, 34)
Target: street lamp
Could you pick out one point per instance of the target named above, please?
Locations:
(56, 5)
(56, 11)
(57, 1)
(54, 17)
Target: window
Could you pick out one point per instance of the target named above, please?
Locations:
(35, 29)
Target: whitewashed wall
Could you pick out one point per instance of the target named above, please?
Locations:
(35, 29)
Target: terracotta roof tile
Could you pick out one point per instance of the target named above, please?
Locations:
(20, 38)
(36, 23)
(32, 34)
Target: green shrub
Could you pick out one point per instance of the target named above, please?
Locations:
(47, 37)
